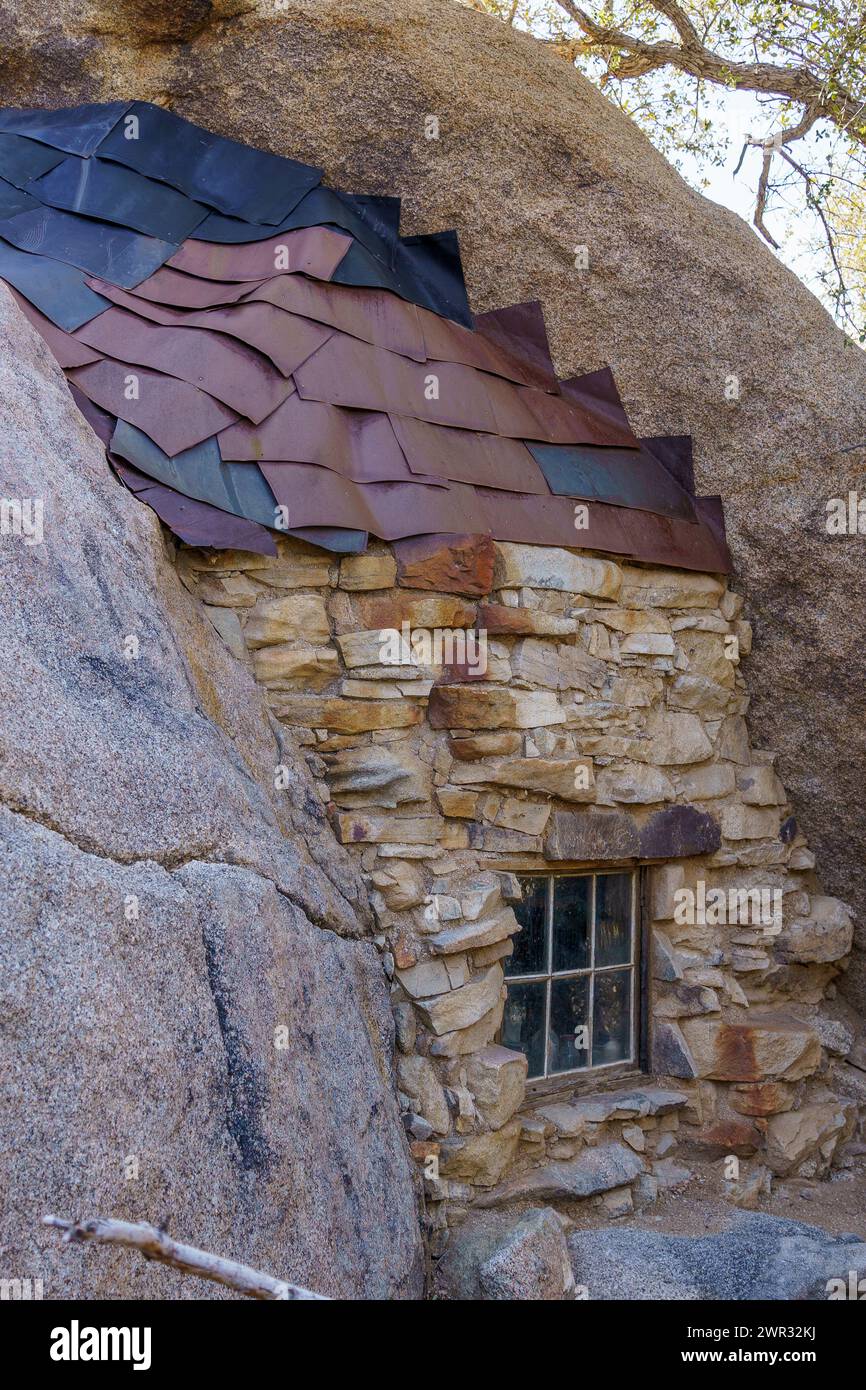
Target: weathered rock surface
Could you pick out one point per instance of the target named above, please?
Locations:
(191, 1035)
(502, 1257)
(758, 1257)
(679, 294)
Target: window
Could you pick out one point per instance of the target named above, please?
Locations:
(572, 976)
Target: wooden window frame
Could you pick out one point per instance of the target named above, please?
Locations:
(587, 1079)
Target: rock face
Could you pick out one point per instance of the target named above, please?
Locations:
(193, 1030)
(707, 333)
(759, 1257)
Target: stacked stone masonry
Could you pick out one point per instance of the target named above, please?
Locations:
(607, 728)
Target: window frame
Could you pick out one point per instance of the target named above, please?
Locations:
(591, 1078)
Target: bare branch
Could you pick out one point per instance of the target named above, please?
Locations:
(155, 1244)
(760, 205)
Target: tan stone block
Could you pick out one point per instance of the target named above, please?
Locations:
(469, 936)
(705, 652)
(355, 828)
(763, 1098)
(647, 644)
(706, 783)
(496, 618)
(418, 610)
(345, 716)
(673, 738)
(633, 784)
(417, 1079)
(563, 778)
(456, 801)
(369, 690)
(425, 980)
(702, 695)
(484, 745)
(466, 1040)
(496, 1076)
(297, 571)
(460, 1008)
(759, 786)
(467, 707)
(749, 822)
(629, 620)
(815, 1131)
(546, 567)
(764, 1046)
(664, 588)
(293, 667)
(367, 572)
(527, 816)
(293, 617)
(401, 885)
(483, 1159)
(228, 591)
(486, 955)
(376, 775)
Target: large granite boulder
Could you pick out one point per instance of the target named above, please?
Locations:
(193, 1029)
(707, 332)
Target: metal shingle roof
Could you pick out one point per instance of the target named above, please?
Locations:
(246, 341)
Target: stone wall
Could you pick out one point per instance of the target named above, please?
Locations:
(607, 727)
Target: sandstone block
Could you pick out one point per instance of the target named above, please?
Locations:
(460, 1008)
(344, 716)
(763, 1046)
(496, 1076)
(292, 618)
(546, 567)
(286, 666)
(464, 707)
(367, 571)
(417, 1078)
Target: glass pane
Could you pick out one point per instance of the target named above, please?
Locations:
(571, 899)
(612, 919)
(611, 1031)
(530, 955)
(568, 1040)
(523, 1023)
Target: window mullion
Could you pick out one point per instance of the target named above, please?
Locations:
(549, 966)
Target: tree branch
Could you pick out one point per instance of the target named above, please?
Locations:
(691, 56)
(155, 1244)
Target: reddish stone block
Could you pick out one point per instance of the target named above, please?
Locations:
(447, 564)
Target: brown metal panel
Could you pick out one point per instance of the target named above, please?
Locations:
(237, 375)
(174, 414)
(658, 540)
(374, 316)
(68, 351)
(446, 341)
(468, 457)
(519, 331)
(597, 394)
(196, 523)
(285, 339)
(524, 412)
(167, 286)
(319, 497)
(351, 373)
(315, 251)
(359, 444)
